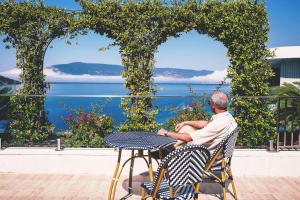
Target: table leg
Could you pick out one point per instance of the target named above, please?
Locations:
(130, 172)
(118, 172)
(115, 174)
(117, 179)
(160, 154)
(150, 166)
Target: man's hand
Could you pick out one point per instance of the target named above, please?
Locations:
(162, 132)
(177, 136)
(179, 126)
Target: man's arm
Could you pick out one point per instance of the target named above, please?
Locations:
(196, 124)
(178, 136)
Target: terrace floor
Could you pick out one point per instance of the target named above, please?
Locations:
(19, 186)
(85, 174)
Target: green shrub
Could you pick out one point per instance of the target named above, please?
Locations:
(289, 111)
(292, 112)
(193, 111)
(28, 123)
(87, 129)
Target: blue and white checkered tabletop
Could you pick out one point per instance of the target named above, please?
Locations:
(138, 140)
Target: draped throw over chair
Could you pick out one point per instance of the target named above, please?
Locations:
(179, 174)
(219, 167)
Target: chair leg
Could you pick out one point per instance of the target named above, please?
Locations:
(232, 183)
(224, 190)
(143, 193)
(223, 179)
(234, 189)
(197, 191)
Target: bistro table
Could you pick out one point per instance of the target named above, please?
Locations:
(139, 141)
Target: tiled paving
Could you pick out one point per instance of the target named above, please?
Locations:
(91, 187)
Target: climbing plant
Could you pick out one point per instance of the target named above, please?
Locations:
(242, 26)
(30, 27)
(138, 28)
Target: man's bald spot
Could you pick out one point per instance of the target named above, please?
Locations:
(220, 99)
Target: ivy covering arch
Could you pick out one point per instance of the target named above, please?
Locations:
(242, 26)
(139, 27)
(30, 27)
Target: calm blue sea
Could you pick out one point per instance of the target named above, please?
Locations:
(59, 107)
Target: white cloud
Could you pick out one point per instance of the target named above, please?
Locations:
(12, 73)
(53, 76)
(215, 77)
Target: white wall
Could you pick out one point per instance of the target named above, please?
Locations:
(102, 161)
(289, 80)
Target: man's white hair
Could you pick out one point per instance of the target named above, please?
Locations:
(220, 99)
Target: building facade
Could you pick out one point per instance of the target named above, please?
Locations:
(286, 65)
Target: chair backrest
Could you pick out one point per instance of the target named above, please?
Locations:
(229, 144)
(225, 148)
(183, 166)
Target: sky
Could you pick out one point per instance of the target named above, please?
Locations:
(190, 51)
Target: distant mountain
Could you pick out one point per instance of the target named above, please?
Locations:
(105, 73)
(6, 81)
(79, 68)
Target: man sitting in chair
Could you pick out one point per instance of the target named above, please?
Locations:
(208, 133)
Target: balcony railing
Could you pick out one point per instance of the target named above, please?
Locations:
(60, 108)
(288, 123)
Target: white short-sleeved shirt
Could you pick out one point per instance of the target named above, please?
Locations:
(211, 135)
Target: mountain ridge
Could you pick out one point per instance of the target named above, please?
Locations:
(7, 81)
(100, 69)
(108, 73)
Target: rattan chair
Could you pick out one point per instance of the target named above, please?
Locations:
(219, 167)
(179, 175)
